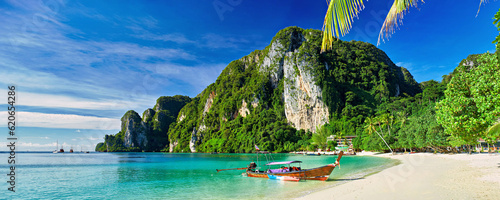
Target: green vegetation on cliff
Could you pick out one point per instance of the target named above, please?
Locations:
(245, 106)
(452, 113)
(148, 133)
(290, 97)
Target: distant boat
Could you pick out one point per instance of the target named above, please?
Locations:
(57, 145)
(71, 150)
(62, 149)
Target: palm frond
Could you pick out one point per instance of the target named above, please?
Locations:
(396, 13)
(480, 3)
(338, 19)
(494, 130)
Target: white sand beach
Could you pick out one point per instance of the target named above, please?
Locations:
(425, 176)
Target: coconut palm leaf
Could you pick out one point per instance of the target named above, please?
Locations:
(395, 15)
(480, 3)
(341, 13)
(494, 131)
(370, 127)
(338, 19)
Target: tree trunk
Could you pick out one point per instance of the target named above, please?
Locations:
(384, 142)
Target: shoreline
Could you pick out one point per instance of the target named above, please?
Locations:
(424, 176)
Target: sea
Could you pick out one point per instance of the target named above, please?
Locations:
(168, 175)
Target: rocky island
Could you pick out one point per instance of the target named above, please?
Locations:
(275, 97)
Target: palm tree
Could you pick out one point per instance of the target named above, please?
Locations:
(387, 120)
(492, 134)
(401, 117)
(370, 127)
(321, 135)
(341, 13)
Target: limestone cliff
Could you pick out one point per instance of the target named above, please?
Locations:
(287, 86)
(304, 108)
(197, 133)
(134, 130)
(148, 133)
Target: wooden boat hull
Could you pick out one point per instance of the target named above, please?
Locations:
(283, 178)
(320, 173)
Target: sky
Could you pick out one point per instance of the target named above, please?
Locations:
(78, 66)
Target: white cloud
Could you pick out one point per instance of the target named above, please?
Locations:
(89, 138)
(46, 138)
(61, 101)
(93, 138)
(104, 49)
(51, 56)
(216, 41)
(406, 65)
(198, 76)
(55, 65)
(34, 119)
(174, 37)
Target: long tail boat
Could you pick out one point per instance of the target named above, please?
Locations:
(319, 173)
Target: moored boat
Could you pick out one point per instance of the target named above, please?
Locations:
(291, 172)
(57, 145)
(319, 173)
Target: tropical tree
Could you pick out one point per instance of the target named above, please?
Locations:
(319, 138)
(497, 39)
(493, 134)
(370, 127)
(341, 13)
(332, 145)
(472, 101)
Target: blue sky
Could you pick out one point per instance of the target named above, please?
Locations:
(80, 65)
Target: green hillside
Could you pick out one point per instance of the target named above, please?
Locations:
(290, 97)
(351, 81)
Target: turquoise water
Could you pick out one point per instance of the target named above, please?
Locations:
(166, 176)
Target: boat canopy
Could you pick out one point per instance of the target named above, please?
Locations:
(284, 162)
